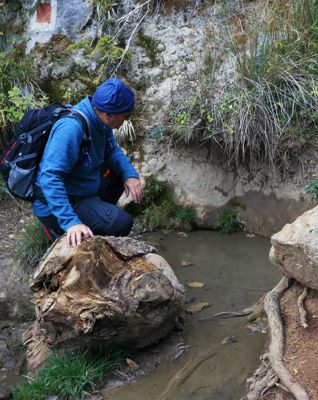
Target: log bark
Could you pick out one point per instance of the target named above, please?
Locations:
(106, 290)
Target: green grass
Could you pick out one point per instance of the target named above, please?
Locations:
(70, 376)
(228, 221)
(31, 244)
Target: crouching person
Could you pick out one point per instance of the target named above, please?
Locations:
(81, 183)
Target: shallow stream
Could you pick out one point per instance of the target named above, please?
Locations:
(236, 272)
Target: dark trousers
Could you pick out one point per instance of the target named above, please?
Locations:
(99, 213)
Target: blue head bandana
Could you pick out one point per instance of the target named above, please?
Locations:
(113, 97)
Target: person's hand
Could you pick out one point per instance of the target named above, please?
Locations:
(134, 187)
(76, 232)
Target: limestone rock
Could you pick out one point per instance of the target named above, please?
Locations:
(295, 248)
(106, 290)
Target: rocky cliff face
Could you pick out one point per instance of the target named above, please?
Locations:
(171, 52)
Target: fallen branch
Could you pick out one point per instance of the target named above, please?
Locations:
(277, 339)
(302, 311)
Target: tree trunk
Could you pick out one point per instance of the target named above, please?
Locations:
(106, 290)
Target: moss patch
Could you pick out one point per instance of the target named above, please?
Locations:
(151, 47)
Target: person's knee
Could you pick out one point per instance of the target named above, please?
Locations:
(123, 224)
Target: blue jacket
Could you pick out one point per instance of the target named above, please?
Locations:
(64, 171)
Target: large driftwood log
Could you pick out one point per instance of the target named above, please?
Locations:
(107, 290)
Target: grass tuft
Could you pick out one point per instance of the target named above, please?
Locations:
(69, 376)
(32, 244)
(267, 111)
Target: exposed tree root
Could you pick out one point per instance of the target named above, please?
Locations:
(264, 378)
(277, 340)
(258, 311)
(301, 307)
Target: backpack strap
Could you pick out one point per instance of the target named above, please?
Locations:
(81, 117)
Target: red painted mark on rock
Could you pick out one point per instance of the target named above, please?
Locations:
(43, 12)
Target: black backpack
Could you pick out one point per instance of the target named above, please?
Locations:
(20, 160)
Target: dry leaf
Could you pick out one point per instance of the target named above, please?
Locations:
(195, 284)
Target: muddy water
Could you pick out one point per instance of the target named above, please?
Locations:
(237, 272)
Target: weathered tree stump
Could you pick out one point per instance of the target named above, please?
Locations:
(106, 290)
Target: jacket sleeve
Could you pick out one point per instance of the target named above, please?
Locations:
(60, 156)
(117, 160)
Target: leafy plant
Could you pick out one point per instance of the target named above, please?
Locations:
(69, 376)
(312, 188)
(158, 211)
(32, 244)
(228, 222)
(17, 89)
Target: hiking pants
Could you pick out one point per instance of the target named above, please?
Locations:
(99, 213)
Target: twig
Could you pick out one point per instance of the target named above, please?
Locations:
(276, 346)
(129, 40)
(133, 11)
(301, 307)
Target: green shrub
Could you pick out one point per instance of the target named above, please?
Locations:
(312, 188)
(32, 244)
(228, 222)
(17, 90)
(69, 376)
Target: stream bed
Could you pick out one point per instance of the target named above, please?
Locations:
(236, 272)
